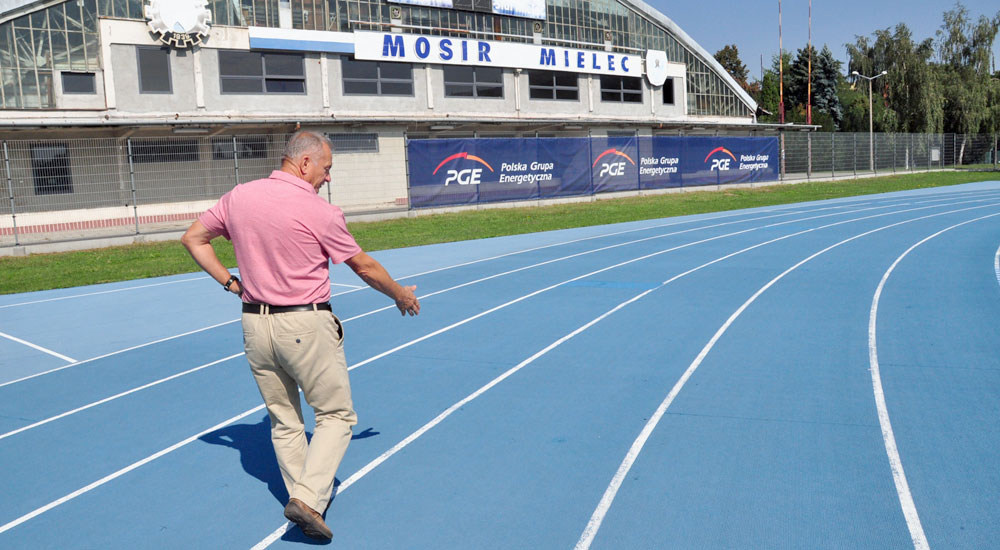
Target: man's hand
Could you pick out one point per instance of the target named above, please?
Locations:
(407, 302)
(372, 273)
(236, 288)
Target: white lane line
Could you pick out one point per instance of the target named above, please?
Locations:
(347, 286)
(737, 213)
(37, 347)
(281, 530)
(783, 211)
(102, 292)
(996, 265)
(75, 363)
(895, 462)
(590, 531)
(85, 407)
(117, 395)
(42, 422)
(354, 478)
(123, 471)
(180, 444)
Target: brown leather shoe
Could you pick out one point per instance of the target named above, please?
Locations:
(308, 520)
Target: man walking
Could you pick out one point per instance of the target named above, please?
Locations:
(284, 237)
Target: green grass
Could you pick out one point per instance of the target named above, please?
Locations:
(68, 269)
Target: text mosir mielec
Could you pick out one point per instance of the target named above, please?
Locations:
(458, 51)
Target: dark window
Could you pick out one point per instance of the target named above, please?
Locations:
(551, 85)
(376, 78)
(164, 150)
(668, 92)
(261, 73)
(78, 83)
(50, 168)
(247, 147)
(353, 143)
(460, 81)
(621, 89)
(154, 70)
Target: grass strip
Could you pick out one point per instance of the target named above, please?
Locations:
(69, 269)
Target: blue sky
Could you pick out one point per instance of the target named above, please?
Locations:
(753, 26)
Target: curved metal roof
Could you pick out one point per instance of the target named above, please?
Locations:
(689, 42)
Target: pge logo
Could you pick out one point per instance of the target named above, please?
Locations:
(721, 163)
(468, 176)
(614, 168)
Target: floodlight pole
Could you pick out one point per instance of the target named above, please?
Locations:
(871, 133)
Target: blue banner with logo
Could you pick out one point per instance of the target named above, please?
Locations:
(447, 172)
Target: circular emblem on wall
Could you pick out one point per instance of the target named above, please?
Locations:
(179, 23)
(656, 67)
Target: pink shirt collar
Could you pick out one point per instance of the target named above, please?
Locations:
(294, 180)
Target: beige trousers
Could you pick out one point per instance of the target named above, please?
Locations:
(304, 349)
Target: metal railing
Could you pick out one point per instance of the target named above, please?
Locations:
(65, 189)
(845, 155)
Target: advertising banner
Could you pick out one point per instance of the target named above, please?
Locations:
(447, 172)
(466, 171)
(614, 165)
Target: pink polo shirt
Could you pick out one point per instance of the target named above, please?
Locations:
(283, 234)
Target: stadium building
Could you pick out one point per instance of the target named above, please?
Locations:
(119, 103)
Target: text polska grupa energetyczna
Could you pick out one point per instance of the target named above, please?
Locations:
(532, 175)
(754, 162)
(653, 166)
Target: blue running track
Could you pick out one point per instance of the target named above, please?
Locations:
(817, 375)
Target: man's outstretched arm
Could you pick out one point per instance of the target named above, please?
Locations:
(372, 273)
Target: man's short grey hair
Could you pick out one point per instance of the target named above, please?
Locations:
(304, 142)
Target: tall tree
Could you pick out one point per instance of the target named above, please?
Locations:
(964, 48)
(826, 79)
(729, 58)
(797, 78)
(910, 93)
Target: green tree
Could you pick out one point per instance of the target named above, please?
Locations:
(826, 81)
(729, 58)
(797, 78)
(964, 48)
(910, 94)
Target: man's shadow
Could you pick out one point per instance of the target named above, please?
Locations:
(253, 441)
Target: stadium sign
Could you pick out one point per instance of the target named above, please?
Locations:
(377, 46)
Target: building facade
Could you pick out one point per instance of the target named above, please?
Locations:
(105, 103)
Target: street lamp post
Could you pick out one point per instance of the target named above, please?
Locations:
(871, 134)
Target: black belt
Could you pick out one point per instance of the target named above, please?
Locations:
(249, 307)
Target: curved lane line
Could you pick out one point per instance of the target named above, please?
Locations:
(75, 363)
(280, 531)
(895, 463)
(996, 265)
(362, 363)
(590, 531)
(150, 458)
(773, 209)
(782, 211)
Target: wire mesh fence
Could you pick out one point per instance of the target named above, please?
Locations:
(63, 189)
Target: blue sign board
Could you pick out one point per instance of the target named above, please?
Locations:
(469, 171)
